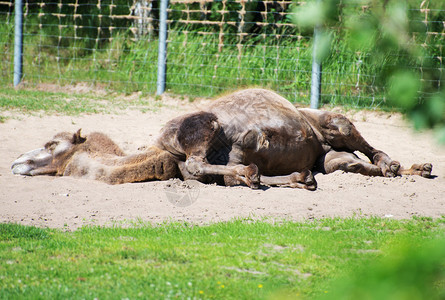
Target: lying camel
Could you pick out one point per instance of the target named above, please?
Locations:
(250, 137)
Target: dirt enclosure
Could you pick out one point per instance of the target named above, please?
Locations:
(66, 202)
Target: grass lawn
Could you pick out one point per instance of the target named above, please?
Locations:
(242, 259)
(29, 101)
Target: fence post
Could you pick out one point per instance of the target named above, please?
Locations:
(316, 72)
(162, 51)
(316, 67)
(18, 42)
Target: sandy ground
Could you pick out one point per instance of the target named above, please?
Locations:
(66, 202)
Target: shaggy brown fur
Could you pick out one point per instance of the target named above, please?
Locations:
(234, 140)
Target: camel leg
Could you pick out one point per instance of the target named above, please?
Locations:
(341, 134)
(156, 165)
(236, 159)
(198, 135)
(249, 175)
(349, 162)
(186, 175)
(302, 180)
(423, 170)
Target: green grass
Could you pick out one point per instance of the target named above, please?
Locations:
(196, 67)
(31, 101)
(242, 259)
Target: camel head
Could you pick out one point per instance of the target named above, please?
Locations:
(50, 158)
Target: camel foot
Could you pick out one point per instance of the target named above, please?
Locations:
(391, 170)
(423, 170)
(389, 167)
(426, 170)
(252, 176)
(248, 175)
(304, 180)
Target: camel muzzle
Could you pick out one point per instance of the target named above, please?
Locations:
(34, 159)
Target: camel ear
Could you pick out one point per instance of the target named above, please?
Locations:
(77, 139)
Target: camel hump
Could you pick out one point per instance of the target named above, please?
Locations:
(257, 96)
(253, 106)
(97, 142)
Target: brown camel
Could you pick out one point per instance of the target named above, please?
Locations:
(250, 137)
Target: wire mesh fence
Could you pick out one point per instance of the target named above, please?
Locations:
(213, 46)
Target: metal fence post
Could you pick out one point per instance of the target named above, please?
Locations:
(18, 42)
(316, 71)
(316, 67)
(162, 51)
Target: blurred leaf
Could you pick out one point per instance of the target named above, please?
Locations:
(403, 89)
(431, 114)
(396, 30)
(419, 119)
(324, 45)
(316, 13)
(436, 108)
(398, 15)
(362, 33)
(410, 272)
(440, 134)
(309, 15)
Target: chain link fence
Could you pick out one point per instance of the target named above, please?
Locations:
(212, 47)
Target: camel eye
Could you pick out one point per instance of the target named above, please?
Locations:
(51, 146)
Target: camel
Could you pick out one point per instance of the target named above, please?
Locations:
(252, 137)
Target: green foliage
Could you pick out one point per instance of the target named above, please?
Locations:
(403, 88)
(431, 114)
(316, 13)
(241, 259)
(392, 36)
(409, 271)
